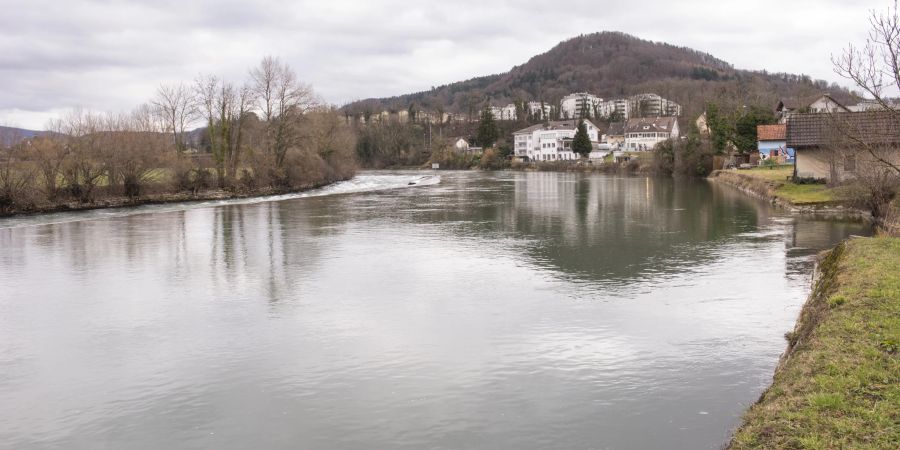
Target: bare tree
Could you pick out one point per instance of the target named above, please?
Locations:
(875, 68)
(281, 100)
(86, 166)
(16, 178)
(137, 150)
(226, 109)
(176, 105)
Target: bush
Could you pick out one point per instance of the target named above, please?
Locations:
(691, 157)
(492, 160)
(809, 180)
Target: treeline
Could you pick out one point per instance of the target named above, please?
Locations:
(415, 142)
(267, 134)
(731, 130)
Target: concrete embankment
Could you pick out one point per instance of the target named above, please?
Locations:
(767, 190)
(837, 385)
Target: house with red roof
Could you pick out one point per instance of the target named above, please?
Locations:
(772, 143)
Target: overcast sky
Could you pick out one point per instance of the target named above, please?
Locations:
(109, 55)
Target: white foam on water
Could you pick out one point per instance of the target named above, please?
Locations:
(358, 184)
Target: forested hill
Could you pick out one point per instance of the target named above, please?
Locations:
(612, 65)
(10, 135)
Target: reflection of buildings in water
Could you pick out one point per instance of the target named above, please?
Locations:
(807, 236)
(595, 208)
(603, 226)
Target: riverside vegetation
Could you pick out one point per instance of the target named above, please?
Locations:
(266, 135)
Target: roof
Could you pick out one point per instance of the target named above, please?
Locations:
(771, 132)
(616, 129)
(553, 125)
(657, 124)
(806, 102)
(872, 127)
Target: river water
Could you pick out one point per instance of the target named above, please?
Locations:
(468, 310)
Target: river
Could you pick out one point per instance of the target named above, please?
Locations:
(467, 310)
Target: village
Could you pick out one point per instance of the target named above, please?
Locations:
(808, 133)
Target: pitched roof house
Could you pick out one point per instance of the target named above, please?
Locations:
(772, 142)
(551, 141)
(644, 134)
(835, 146)
(823, 103)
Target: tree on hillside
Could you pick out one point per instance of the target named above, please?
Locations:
(487, 129)
(582, 142)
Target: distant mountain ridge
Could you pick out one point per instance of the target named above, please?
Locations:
(611, 65)
(12, 135)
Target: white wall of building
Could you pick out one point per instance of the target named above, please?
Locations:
(571, 105)
(547, 144)
(645, 140)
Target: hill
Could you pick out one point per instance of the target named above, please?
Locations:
(613, 65)
(10, 135)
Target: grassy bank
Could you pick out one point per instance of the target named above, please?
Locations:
(838, 385)
(778, 180)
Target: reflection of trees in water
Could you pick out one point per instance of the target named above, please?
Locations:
(591, 226)
(279, 243)
(266, 249)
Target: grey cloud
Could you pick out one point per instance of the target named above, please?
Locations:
(110, 55)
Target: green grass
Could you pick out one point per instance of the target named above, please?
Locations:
(777, 173)
(800, 194)
(840, 388)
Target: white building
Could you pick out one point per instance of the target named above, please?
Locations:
(652, 105)
(641, 105)
(553, 141)
(620, 106)
(644, 134)
(573, 105)
(507, 112)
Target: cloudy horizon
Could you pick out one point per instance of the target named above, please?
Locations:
(111, 55)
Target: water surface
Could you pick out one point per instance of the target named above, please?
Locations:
(477, 310)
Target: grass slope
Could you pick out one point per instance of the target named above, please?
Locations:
(839, 386)
(798, 194)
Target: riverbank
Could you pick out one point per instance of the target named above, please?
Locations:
(838, 383)
(773, 186)
(161, 198)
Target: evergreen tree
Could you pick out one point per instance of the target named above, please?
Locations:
(582, 142)
(487, 129)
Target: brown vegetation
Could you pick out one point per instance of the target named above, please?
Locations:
(92, 159)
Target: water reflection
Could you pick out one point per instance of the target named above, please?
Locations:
(513, 310)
